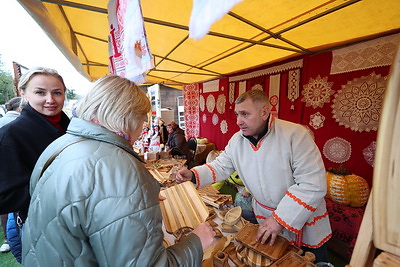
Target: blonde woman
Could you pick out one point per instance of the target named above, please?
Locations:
(24, 139)
(96, 204)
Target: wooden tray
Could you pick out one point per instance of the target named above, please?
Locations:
(182, 207)
(293, 259)
(255, 259)
(247, 236)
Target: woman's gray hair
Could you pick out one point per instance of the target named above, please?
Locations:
(26, 77)
(116, 103)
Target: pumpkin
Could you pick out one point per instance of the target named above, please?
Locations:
(346, 188)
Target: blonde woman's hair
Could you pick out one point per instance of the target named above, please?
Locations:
(212, 155)
(116, 103)
(27, 77)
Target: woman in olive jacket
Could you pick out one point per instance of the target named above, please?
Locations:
(96, 204)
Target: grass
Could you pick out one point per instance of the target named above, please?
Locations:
(7, 259)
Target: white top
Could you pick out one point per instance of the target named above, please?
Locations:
(286, 176)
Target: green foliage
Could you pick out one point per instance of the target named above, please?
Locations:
(70, 94)
(6, 84)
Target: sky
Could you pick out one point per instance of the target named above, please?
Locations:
(23, 41)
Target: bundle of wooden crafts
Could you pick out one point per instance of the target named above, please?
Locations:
(213, 197)
(249, 252)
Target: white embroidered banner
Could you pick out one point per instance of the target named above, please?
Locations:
(212, 86)
(293, 86)
(130, 56)
(283, 67)
(370, 54)
(274, 89)
(242, 87)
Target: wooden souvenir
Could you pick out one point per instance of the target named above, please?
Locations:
(247, 236)
(255, 259)
(240, 224)
(158, 176)
(182, 207)
(212, 223)
(233, 216)
(211, 251)
(227, 228)
(182, 232)
(217, 232)
(231, 251)
(220, 259)
(293, 259)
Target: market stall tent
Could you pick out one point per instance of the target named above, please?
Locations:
(253, 33)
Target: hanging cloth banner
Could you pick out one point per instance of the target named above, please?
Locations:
(293, 86)
(129, 53)
(205, 13)
(242, 87)
(274, 89)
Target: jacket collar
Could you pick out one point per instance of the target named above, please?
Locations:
(90, 130)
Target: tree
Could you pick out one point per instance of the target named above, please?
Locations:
(6, 84)
(70, 94)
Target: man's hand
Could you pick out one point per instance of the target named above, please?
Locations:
(270, 228)
(183, 175)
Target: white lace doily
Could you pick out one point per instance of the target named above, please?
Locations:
(224, 127)
(221, 102)
(210, 103)
(337, 150)
(317, 92)
(358, 105)
(204, 118)
(317, 120)
(202, 103)
(215, 119)
(369, 153)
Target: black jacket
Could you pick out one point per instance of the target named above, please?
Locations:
(21, 143)
(178, 144)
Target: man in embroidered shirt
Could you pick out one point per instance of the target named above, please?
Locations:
(282, 167)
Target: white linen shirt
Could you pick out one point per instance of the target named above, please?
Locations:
(286, 176)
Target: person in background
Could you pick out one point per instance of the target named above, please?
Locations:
(162, 129)
(24, 139)
(13, 107)
(177, 141)
(110, 215)
(282, 167)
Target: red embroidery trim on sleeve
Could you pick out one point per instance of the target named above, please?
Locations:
(298, 200)
(214, 176)
(316, 219)
(284, 224)
(320, 243)
(196, 174)
(260, 217)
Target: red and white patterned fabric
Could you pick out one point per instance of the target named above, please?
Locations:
(129, 54)
(192, 117)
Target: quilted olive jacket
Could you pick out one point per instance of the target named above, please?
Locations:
(97, 205)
